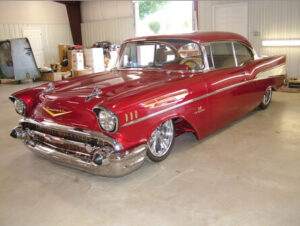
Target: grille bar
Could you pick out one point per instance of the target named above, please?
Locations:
(92, 138)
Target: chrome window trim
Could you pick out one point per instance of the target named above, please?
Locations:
(234, 54)
(204, 54)
(160, 40)
(159, 69)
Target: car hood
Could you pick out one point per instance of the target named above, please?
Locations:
(69, 96)
(113, 85)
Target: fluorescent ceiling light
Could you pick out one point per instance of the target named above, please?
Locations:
(294, 42)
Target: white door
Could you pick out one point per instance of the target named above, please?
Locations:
(35, 38)
(231, 17)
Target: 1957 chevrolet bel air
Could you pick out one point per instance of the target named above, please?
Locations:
(162, 86)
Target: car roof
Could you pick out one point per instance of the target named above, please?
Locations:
(199, 37)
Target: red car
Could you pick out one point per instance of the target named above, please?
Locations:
(162, 86)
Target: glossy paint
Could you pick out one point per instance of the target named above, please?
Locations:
(199, 102)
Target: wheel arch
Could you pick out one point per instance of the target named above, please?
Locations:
(180, 122)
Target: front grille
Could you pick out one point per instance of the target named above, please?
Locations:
(72, 147)
(64, 134)
(77, 148)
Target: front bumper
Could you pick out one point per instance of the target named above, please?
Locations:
(115, 164)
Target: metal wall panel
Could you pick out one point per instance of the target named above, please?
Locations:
(95, 11)
(276, 20)
(268, 19)
(113, 30)
(52, 35)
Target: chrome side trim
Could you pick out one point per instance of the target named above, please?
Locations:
(114, 143)
(182, 104)
(207, 95)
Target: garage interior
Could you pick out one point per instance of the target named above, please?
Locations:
(245, 174)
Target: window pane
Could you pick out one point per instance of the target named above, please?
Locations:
(223, 55)
(192, 55)
(189, 50)
(243, 54)
(163, 17)
(143, 54)
(164, 54)
(209, 56)
(146, 55)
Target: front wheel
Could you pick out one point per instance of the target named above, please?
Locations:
(161, 141)
(267, 99)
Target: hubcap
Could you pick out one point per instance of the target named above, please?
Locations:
(267, 96)
(161, 139)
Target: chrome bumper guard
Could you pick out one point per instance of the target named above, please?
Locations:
(115, 164)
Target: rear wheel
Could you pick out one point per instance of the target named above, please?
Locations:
(161, 141)
(266, 99)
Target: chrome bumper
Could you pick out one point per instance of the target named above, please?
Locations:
(118, 166)
(115, 165)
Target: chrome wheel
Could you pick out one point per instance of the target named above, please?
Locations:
(161, 140)
(266, 99)
(268, 96)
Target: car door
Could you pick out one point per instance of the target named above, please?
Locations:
(244, 58)
(226, 82)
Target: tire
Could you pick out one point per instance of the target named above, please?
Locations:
(266, 99)
(161, 141)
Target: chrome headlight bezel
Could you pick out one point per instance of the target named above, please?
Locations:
(20, 105)
(106, 113)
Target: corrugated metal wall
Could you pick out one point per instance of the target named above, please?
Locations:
(276, 20)
(267, 20)
(93, 11)
(106, 21)
(52, 35)
(113, 30)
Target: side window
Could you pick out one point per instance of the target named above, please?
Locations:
(243, 54)
(191, 55)
(222, 54)
(209, 56)
(189, 50)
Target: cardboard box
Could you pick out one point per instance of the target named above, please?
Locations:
(77, 73)
(54, 76)
(113, 59)
(94, 59)
(51, 76)
(75, 60)
(62, 51)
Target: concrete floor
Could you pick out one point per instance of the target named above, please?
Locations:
(246, 174)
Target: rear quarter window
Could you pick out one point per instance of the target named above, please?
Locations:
(243, 54)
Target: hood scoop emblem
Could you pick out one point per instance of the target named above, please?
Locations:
(96, 92)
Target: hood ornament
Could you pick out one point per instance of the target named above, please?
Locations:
(49, 88)
(96, 92)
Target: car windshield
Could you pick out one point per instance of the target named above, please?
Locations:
(172, 54)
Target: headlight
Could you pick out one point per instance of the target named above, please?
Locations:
(20, 106)
(107, 120)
